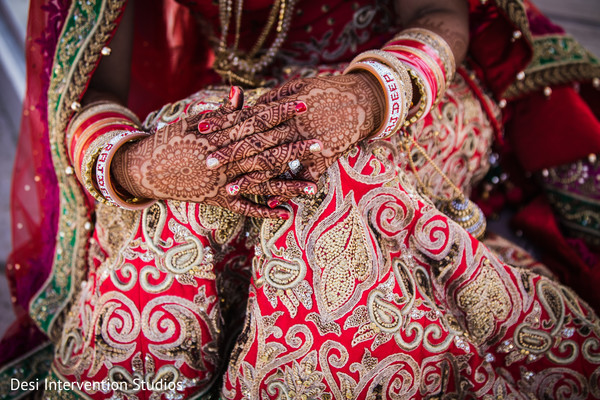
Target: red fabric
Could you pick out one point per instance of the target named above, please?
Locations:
(358, 300)
(170, 58)
(167, 319)
(34, 195)
(547, 132)
(491, 47)
(538, 223)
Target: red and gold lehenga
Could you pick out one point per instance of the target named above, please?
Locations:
(367, 292)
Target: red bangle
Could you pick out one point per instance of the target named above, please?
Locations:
(420, 46)
(418, 63)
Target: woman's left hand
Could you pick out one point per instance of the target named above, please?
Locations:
(340, 111)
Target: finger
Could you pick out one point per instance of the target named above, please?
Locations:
(287, 89)
(303, 176)
(314, 167)
(236, 98)
(268, 119)
(245, 207)
(243, 183)
(275, 159)
(277, 200)
(261, 183)
(279, 187)
(262, 117)
(255, 144)
(233, 102)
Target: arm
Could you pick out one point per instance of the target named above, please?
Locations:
(447, 18)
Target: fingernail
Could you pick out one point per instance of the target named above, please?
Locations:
(231, 92)
(212, 163)
(310, 190)
(300, 107)
(273, 203)
(284, 215)
(203, 126)
(233, 189)
(315, 148)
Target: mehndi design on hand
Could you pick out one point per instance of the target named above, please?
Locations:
(171, 164)
(340, 112)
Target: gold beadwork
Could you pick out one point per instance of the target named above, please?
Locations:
(459, 208)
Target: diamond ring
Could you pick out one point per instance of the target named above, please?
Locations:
(295, 166)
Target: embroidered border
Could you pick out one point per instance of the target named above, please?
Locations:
(32, 367)
(88, 27)
(516, 12)
(578, 214)
(557, 59)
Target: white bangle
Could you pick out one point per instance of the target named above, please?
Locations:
(103, 178)
(393, 63)
(395, 93)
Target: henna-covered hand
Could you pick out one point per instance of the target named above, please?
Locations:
(340, 111)
(171, 164)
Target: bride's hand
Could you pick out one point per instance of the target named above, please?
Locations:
(171, 164)
(340, 111)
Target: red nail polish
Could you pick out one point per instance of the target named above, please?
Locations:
(300, 107)
(203, 126)
(273, 203)
(284, 215)
(231, 92)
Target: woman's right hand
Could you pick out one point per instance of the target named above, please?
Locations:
(171, 164)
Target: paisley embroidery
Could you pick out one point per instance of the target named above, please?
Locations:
(149, 311)
(368, 292)
(343, 263)
(299, 380)
(420, 308)
(483, 300)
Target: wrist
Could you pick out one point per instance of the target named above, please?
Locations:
(113, 189)
(123, 171)
(393, 85)
(375, 99)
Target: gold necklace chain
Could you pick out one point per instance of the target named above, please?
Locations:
(424, 188)
(460, 209)
(237, 67)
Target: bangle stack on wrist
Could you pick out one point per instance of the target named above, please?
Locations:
(415, 58)
(395, 93)
(103, 178)
(98, 131)
(431, 65)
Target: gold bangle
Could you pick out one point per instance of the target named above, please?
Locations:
(88, 166)
(416, 115)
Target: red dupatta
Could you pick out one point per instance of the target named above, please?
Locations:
(35, 195)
